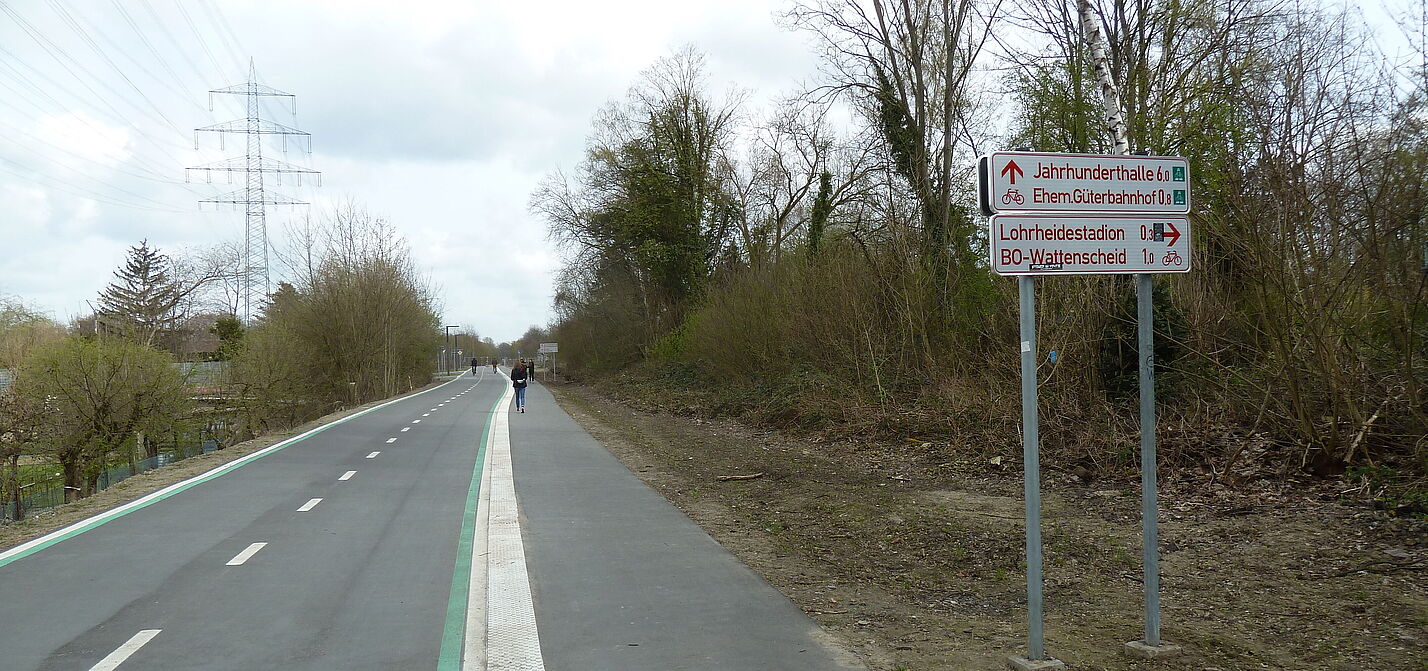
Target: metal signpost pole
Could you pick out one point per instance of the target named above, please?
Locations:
(1149, 528)
(1151, 646)
(1031, 463)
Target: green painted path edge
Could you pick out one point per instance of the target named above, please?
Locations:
(31, 547)
(453, 636)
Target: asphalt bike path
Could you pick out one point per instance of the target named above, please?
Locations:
(358, 580)
(624, 581)
(439, 531)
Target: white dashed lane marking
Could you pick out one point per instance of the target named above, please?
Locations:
(373, 455)
(312, 503)
(124, 651)
(347, 476)
(246, 554)
(416, 421)
(391, 440)
(406, 428)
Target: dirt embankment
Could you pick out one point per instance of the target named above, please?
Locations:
(912, 553)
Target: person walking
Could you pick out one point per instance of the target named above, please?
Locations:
(519, 378)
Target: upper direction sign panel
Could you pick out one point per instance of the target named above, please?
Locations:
(1018, 181)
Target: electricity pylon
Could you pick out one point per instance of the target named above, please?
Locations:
(254, 197)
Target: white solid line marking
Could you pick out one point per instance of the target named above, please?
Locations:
(373, 455)
(130, 647)
(391, 440)
(348, 475)
(312, 503)
(416, 421)
(406, 428)
(246, 554)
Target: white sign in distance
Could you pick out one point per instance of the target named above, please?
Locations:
(549, 348)
(1088, 244)
(1023, 181)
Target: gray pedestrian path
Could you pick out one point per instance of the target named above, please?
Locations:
(623, 581)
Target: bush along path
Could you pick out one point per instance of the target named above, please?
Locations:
(911, 551)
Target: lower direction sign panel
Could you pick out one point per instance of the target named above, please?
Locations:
(1088, 244)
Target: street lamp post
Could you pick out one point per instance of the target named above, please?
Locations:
(448, 347)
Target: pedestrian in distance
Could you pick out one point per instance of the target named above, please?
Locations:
(519, 378)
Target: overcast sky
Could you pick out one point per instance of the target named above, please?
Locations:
(440, 116)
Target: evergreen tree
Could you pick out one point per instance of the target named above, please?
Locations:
(142, 299)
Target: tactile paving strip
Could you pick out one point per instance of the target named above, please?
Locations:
(512, 641)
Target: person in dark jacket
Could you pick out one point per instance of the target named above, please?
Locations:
(519, 378)
(474, 364)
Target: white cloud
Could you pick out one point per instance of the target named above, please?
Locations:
(439, 116)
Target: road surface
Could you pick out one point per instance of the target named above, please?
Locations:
(438, 531)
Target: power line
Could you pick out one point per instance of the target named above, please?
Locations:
(42, 92)
(116, 168)
(226, 36)
(98, 51)
(163, 28)
(74, 169)
(80, 192)
(196, 33)
(154, 51)
(60, 57)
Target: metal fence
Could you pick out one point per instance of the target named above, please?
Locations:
(44, 495)
(37, 496)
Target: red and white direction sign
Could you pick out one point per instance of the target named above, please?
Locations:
(1023, 181)
(1083, 244)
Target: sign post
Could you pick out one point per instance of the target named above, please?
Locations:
(550, 348)
(1151, 646)
(1079, 214)
(1031, 468)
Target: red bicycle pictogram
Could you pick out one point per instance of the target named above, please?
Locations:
(1172, 259)
(1012, 196)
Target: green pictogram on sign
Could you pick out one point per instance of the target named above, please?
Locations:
(1177, 174)
(1179, 196)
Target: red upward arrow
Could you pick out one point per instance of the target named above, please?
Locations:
(1013, 169)
(1173, 236)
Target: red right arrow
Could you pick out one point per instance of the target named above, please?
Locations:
(1173, 236)
(1013, 169)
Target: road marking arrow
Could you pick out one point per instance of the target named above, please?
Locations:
(1173, 236)
(1013, 170)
